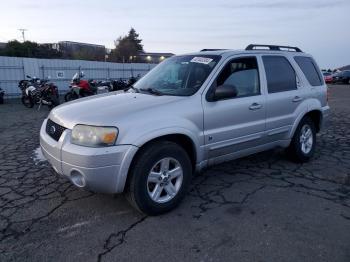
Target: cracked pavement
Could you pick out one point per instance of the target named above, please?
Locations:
(259, 208)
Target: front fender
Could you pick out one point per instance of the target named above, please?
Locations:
(143, 133)
(173, 131)
(29, 89)
(148, 136)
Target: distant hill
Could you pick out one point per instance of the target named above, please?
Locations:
(344, 68)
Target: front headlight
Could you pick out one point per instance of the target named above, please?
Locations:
(94, 136)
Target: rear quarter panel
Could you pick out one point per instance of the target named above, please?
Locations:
(315, 96)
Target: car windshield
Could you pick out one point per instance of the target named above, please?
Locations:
(178, 75)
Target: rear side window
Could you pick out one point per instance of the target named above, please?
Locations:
(309, 69)
(280, 75)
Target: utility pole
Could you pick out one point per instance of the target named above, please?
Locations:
(22, 30)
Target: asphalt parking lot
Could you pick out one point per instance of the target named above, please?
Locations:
(260, 208)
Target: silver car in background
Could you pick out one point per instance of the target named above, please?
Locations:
(190, 112)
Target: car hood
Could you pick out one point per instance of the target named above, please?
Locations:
(106, 109)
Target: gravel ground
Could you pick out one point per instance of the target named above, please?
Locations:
(260, 208)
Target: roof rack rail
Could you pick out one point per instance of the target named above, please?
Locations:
(208, 49)
(274, 47)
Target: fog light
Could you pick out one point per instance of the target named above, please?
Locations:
(77, 178)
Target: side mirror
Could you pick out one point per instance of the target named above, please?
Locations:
(224, 92)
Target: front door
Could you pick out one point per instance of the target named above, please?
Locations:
(238, 123)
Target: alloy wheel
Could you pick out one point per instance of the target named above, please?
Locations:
(306, 139)
(164, 180)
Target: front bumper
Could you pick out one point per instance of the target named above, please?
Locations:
(99, 169)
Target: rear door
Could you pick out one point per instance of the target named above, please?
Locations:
(284, 96)
(235, 124)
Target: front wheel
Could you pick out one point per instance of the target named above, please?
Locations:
(302, 146)
(27, 101)
(159, 178)
(70, 96)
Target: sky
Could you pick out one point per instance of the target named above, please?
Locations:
(318, 27)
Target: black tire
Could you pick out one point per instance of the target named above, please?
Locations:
(137, 189)
(70, 96)
(295, 149)
(55, 101)
(27, 101)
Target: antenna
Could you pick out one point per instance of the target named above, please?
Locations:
(22, 30)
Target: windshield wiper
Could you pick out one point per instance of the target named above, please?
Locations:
(132, 87)
(152, 91)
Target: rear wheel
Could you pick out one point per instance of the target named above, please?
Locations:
(159, 178)
(70, 96)
(54, 101)
(27, 101)
(302, 146)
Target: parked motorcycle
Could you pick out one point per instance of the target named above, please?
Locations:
(124, 84)
(104, 86)
(82, 88)
(132, 80)
(119, 84)
(38, 91)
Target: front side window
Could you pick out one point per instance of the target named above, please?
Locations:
(280, 75)
(179, 75)
(308, 67)
(242, 74)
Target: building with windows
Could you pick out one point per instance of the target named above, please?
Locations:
(82, 51)
(154, 58)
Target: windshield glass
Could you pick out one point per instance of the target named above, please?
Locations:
(179, 75)
(75, 76)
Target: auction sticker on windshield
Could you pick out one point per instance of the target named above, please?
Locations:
(201, 60)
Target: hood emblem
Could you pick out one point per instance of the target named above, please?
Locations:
(52, 130)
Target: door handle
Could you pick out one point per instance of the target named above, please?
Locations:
(297, 99)
(255, 106)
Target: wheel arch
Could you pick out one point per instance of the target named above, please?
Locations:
(316, 117)
(181, 139)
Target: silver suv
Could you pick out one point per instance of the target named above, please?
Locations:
(190, 112)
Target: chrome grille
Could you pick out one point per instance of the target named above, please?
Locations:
(54, 130)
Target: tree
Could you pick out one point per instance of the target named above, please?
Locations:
(15, 48)
(29, 49)
(127, 47)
